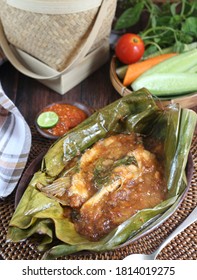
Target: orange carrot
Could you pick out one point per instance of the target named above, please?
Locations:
(136, 69)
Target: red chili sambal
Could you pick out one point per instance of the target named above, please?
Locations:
(69, 117)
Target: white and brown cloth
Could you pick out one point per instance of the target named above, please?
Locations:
(15, 144)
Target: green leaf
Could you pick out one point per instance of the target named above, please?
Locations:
(151, 50)
(173, 8)
(129, 17)
(139, 221)
(190, 26)
(179, 161)
(179, 47)
(43, 227)
(164, 20)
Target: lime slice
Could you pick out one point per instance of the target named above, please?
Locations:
(47, 119)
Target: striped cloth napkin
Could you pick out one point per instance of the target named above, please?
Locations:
(15, 143)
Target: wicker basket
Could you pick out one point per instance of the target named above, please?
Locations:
(54, 39)
(188, 101)
(62, 43)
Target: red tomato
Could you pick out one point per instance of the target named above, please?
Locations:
(129, 48)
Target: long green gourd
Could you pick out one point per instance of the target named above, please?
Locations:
(172, 76)
(176, 64)
(168, 83)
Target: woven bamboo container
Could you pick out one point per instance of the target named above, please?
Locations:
(187, 101)
(52, 38)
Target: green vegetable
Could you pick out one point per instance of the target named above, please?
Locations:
(193, 69)
(169, 24)
(176, 64)
(130, 17)
(121, 70)
(173, 76)
(167, 84)
(186, 47)
(37, 214)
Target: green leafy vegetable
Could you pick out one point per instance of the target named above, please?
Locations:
(130, 16)
(169, 24)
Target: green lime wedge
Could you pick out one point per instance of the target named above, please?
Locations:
(47, 119)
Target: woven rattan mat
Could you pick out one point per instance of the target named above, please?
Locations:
(182, 247)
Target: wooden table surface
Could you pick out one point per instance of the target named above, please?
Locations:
(30, 96)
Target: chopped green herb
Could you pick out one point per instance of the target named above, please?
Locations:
(104, 167)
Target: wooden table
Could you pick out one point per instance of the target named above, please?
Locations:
(30, 96)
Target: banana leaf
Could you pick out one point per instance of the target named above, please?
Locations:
(43, 217)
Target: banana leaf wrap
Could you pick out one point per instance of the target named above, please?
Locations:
(41, 216)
